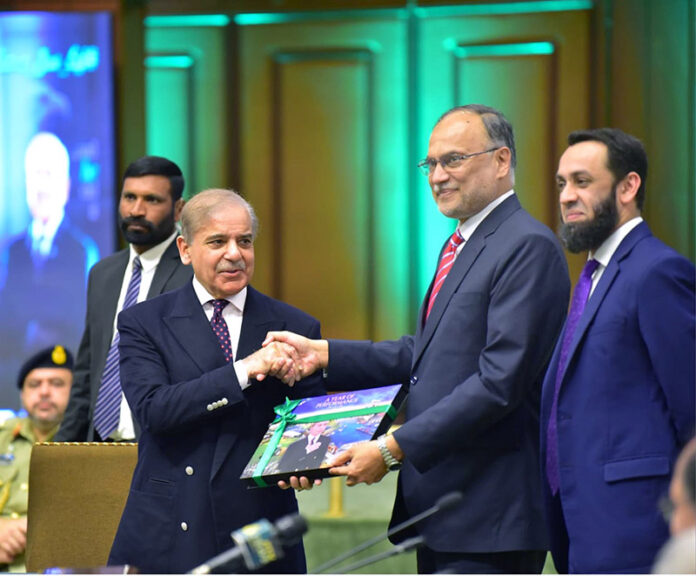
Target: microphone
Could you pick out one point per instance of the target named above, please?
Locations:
(449, 500)
(256, 545)
(405, 546)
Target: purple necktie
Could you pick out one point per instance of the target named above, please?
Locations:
(107, 410)
(220, 327)
(580, 296)
(444, 267)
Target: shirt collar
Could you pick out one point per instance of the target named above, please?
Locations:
(607, 248)
(467, 228)
(204, 297)
(150, 258)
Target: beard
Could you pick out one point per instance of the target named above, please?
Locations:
(152, 235)
(584, 236)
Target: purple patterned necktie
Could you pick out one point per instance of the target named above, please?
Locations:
(577, 306)
(220, 327)
(444, 267)
(107, 410)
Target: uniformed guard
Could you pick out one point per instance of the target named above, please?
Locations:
(44, 382)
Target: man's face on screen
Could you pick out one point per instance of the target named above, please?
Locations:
(47, 176)
(146, 213)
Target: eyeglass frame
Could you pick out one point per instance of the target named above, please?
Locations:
(425, 165)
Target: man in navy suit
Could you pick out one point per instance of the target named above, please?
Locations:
(475, 365)
(624, 397)
(189, 361)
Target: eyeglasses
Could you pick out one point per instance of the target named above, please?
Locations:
(449, 161)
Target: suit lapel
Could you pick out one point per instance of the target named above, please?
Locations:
(468, 255)
(190, 327)
(459, 270)
(109, 291)
(256, 322)
(164, 270)
(605, 282)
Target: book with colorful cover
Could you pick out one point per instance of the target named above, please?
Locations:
(307, 434)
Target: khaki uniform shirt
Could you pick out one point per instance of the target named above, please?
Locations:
(16, 441)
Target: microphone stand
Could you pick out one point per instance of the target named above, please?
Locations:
(405, 546)
(443, 503)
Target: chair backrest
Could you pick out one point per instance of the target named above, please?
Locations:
(77, 492)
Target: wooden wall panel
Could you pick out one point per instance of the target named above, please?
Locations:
(322, 193)
(649, 57)
(324, 161)
(477, 73)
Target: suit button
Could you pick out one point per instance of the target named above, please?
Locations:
(413, 380)
(211, 407)
(184, 526)
(189, 470)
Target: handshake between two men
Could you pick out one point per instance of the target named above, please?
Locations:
(291, 357)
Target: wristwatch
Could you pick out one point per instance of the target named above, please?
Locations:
(391, 462)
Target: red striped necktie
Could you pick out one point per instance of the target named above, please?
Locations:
(444, 267)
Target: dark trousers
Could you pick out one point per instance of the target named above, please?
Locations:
(517, 562)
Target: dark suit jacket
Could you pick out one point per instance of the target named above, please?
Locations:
(103, 290)
(42, 302)
(199, 430)
(475, 372)
(626, 407)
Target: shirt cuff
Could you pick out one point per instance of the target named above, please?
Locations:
(242, 376)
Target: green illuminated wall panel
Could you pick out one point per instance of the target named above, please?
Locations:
(170, 119)
(187, 96)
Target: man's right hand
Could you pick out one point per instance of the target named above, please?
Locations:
(13, 538)
(278, 359)
(314, 354)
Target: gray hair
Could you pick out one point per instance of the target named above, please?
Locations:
(497, 126)
(199, 209)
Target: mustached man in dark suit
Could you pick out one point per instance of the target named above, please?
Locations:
(485, 333)
(189, 361)
(150, 204)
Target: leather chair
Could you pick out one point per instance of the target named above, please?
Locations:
(77, 492)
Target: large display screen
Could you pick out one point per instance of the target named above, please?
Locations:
(57, 162)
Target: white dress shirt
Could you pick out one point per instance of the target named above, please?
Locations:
(467, 228)
(606, 250)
